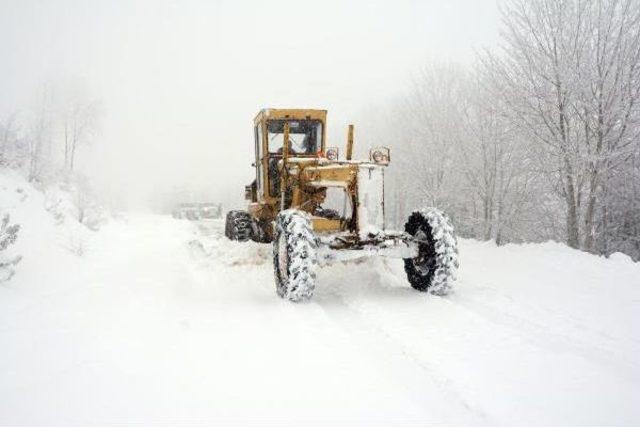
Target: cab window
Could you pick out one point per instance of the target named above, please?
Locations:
(305, 136)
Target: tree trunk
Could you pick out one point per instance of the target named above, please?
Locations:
(590, 212)
(66, 146)
(573, 231)
(487, 217)
(74, 143)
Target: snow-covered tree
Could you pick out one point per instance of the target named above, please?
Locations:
(540, 140)
(496, 168)
(424, 131)
(536, 77)
(79, 119)
(568, 76)
(8, 236)
(608, 102)
(40, 134)
(454, 150)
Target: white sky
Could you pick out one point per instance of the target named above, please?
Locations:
(181, 80)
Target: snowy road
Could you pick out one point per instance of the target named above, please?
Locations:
(164, 322)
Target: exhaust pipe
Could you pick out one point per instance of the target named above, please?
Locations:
(350, 142)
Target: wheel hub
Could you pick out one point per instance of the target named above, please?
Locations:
(423, 261)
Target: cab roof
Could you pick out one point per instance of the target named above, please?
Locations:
(290, 113)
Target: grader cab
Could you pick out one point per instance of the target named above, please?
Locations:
(316, 208)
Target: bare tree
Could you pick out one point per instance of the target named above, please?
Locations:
(456, 151)
(430, 128)
(569, 76)
(609, 99)
(79, 117)
(537, 76)
(496, 165)
(8, 139)
(40, 135)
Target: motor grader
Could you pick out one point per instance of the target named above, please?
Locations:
(317, 208)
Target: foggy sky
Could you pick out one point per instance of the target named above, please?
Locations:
(181, 81)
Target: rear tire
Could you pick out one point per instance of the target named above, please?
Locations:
(262, 232)
(434, 268)
(294, 256)
(238, 226)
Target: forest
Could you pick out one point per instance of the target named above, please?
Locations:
(539, 139)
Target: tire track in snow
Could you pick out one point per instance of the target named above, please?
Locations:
(419, 380)
(545, 338)
(402, 329)
(372, 338)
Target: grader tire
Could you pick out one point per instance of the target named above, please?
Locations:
(294, 256)
(238, 226)
(433, 270)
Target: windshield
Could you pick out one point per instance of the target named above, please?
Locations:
(305, 136)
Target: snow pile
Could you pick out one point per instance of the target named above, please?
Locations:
(210, 245)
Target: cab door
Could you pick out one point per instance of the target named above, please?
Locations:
(259, 135)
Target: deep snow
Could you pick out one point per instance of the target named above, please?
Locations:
(165, 322)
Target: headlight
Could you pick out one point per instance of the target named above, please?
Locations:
(332, 153)
(379, 155)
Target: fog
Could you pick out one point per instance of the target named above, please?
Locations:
(180, 82)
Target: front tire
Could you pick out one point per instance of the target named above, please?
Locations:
(294, 256)
(434, 268)
(238, 226)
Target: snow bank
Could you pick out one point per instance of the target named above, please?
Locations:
(50, 235)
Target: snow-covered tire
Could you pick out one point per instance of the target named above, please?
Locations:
(434, 268)
(238, 226)
(294, 256)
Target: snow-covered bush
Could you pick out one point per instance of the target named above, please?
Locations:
(8, 236)
(74, 200)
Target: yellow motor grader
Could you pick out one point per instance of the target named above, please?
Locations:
(317, 208)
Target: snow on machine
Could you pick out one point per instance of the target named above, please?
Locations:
(316, 208)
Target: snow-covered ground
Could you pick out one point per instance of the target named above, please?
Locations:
(165, 322)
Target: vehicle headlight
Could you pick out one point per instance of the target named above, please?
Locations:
(379, 155)
(332, 153)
